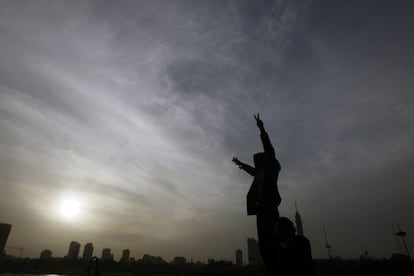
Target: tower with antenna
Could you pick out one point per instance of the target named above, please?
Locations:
(397, 242)
(327, 245)
(402, 235)
(298, 220)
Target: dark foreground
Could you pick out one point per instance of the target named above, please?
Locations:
(59, 266)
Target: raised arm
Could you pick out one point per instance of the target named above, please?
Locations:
(247, 168)
(267, 145)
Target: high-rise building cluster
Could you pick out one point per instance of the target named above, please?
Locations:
(107, 255)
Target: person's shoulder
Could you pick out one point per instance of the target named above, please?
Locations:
(301, 240)
(301, 246)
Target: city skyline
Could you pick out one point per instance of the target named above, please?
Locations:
(74, 252)
(107, 254)
(253, 256)
(119, 121)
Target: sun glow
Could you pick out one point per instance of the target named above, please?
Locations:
(70, 208)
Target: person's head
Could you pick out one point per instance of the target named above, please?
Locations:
(284, 228)
(258, 159)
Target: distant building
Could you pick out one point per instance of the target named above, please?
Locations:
(4, 235)
(125, 256)
(148, 259)
(400, 258)
(253, 252)
(107, 255)
(298, 220)
(179, 260)
(45, 255)
(222, 265)
(74, 249)
(239, 258)
(87, 251)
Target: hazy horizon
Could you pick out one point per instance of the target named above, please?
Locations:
(131, 111)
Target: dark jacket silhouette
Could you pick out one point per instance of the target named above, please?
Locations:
(263, 195)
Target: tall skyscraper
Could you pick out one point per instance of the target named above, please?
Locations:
(298, 219)
(107, 255)
(253, 252)
(239, 258)
(125, 256)
(87, 251)
(4, 235)
(74, 248)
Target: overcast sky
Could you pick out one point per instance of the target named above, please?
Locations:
(135, 109)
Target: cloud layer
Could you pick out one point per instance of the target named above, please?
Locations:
(136, 108)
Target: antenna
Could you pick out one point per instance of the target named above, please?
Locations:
(397, 243)
(296, 207)
(327, 245)
(402, 235)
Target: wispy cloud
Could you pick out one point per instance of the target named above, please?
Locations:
(136, 109)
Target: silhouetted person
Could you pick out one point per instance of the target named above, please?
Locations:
(292, 252)
(263, 197)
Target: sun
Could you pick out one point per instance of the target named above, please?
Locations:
(70, 208)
